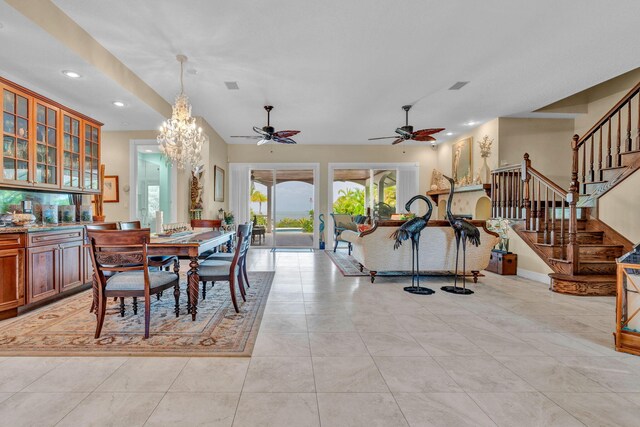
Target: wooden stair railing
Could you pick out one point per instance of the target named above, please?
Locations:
(603, 153)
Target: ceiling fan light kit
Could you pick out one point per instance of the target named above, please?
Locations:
(406, 132)
(268, 133)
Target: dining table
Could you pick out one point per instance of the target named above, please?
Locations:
(190, 245)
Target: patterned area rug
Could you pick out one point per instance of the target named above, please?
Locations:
(66, 328)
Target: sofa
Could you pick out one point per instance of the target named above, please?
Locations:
(373, 249)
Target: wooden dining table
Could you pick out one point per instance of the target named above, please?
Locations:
(191, 246)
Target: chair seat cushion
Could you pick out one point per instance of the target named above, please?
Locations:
(211, 268)
(134, 280)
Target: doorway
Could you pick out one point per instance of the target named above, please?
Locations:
(283, 205)
(153, 184)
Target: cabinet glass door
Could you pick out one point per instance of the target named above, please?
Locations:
(46, 171)
(91, 148)
(15, 137)
(71, 152)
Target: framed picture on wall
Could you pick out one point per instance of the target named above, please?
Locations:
(218, 184)
(462, 166)
(111, 189)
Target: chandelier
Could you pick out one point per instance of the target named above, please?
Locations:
(180, 139)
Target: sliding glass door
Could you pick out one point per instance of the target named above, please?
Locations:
(282, 207)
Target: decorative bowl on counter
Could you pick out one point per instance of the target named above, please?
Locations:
(23, 219)
(6, 218)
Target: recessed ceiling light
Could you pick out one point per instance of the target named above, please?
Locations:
(118, 103)
(232, 85)
(449, 133)
(71, 74)
(471, 123)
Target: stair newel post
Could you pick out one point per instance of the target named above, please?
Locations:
(572, 198)
(526, 202)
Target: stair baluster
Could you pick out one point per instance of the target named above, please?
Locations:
(628, 140)
(619, 142)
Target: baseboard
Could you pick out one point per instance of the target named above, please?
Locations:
(534, 275)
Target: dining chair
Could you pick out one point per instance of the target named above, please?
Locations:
(247, 230)
(121, 266)
(130, 225)
(218, 271)
(101, 226)
(159, 261)
(213, 224)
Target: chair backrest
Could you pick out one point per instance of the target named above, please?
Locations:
(103, 226)
(343, 222)
(130, 225)
(119, 250)
(206, 223)
(244, 240)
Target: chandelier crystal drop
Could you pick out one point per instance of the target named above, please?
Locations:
(180, 138)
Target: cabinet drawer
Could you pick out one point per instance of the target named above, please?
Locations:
(52, 237)
(12, 240)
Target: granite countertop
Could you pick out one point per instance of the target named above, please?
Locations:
(37, 228)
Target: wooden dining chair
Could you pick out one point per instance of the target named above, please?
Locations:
(218, 271)
(122, 254)
(213, 224)
(101, 226)
(247, 230)
(130, 225)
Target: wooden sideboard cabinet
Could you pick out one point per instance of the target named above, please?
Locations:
(12, 267)
(55, 263)
(46, 145)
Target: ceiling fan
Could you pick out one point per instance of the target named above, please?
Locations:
(268, 133)
(406, 132)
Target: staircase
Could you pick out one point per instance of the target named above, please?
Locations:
(561, 226)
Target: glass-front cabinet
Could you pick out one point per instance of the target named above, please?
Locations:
(16, 156)
(91, 157)
(71, 152)
(47, 151)
(46, 145)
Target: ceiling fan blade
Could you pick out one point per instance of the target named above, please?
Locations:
(260, 131)
(430, 131)
(403, 133)
(286, 133)
(262, 141)
(284, 140)
(397, 141)
(423, 138)
(246, 136)
(383, 137)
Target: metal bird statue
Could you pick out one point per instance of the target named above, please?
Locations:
(411, 230)
(321, 233)
(464, 231)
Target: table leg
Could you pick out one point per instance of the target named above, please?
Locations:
(193, 281)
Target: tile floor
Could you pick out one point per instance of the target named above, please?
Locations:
(339, 351)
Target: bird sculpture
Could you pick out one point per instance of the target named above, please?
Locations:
(321, 233)
(411, 230)
(464, 231)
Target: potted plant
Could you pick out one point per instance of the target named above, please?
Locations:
(229, 218)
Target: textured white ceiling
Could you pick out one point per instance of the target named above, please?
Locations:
(340, 70)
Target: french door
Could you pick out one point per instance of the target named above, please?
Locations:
(283, 207)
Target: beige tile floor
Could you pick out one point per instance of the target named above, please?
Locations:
(340, 351)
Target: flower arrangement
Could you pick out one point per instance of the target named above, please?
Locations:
(228, 217)
(485, 146)
(500, 226)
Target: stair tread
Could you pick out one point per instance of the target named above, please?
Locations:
(631, 152)
(613, 168)
(583, 277)
(564, 261)
(595, 261)
(596, 182)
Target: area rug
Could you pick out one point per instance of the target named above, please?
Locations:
(66, 328)
(349, 267)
